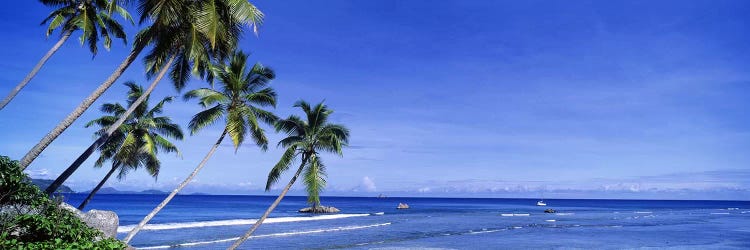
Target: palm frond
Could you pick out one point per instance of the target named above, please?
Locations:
(205, 118)
(286, 160)
(236, 127)
(315, 179)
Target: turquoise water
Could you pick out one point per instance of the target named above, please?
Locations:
(210, 222)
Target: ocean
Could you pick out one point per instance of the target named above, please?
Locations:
(212, 221)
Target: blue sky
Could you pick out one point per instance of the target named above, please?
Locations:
(589, 99)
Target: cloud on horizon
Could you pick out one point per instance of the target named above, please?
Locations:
(724, 184)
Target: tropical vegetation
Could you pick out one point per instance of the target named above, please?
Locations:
(92, 18)
(186, 34)
(49, 227)
(305, 140)
(138, 141)
(239, 102)
(180, 40)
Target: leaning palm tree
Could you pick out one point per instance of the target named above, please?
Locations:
(239, 103)
(219, 22)
(93, 18)
(137, 142)
(306, 140)
(180, 46)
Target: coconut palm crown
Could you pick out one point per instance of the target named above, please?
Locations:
(242, 93)
(138, 141)
(307, 139)
(191, 35)
(93, 18)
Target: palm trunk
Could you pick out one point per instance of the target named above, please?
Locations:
(182, 185)
(271, 208)
(98, 186)
(66, 34)
(103, 138)
(78, 111)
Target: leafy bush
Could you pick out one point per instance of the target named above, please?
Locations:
(30, 220)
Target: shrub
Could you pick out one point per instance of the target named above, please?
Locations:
(31, 220)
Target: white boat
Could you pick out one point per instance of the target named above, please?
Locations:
(541, 202)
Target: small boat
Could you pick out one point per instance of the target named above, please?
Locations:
(402, 206)
(541, 202)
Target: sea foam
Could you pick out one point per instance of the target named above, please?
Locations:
(345, 228)
(235, 222)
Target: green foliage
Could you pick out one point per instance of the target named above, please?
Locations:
(241, 95)
(140, 138)
(194, 33)
(307, 139)
(93, 18)
(30, 220)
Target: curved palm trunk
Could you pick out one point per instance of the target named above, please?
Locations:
(36, 68)
(182, 185)
(270, 209)
(98, 186)
(103, 138)
(78, 111)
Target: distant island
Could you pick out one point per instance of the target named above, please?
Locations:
(111, 190)
(44, 183)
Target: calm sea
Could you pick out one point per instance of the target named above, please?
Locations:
(211, 221)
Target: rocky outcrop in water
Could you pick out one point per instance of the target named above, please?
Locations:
(319, 210)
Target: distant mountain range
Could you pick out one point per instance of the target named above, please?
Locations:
(110, 190)
(43, 184)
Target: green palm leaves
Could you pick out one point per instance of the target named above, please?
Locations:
(307, 139)
(137, 142)
(93, 18)
(194, 33)
(242, 94)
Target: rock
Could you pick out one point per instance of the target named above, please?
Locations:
(549, 211)
(319, 210)
(402, 206)
(104, 221)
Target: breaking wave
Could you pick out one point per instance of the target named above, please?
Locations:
(235, 222)
(335, 229)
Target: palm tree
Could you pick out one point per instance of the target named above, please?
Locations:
(218, 21)
(240, 101)
(306, 140)
(93, 18)
(137, 142)
(181, 46)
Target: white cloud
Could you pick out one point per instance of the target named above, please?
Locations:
(38, 173)
(368, 184)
